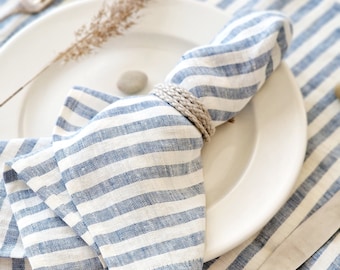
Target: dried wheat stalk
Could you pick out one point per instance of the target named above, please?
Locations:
(113, 19)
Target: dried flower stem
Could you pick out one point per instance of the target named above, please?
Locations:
(113, 19)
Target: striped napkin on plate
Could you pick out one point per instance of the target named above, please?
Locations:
(120, 182)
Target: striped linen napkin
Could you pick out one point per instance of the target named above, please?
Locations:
(120, 182)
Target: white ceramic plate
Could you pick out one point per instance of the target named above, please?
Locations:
(250, 166)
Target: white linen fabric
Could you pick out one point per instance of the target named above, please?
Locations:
(119, 184)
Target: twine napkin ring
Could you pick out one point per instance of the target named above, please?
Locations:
(188, 105)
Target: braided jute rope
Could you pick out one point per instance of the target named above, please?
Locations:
(188, 105)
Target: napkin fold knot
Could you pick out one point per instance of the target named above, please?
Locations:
(188, 105)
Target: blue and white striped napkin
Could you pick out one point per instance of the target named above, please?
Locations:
(120, 182)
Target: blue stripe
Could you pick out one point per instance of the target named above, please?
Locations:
(80, 229)
(79, 108)
(320, 76)
(18, 264)
(248, 42)
(125, 129)
(139, 106)
(282, 40)
(223, 71)
(46, 191)
(10, 239)
(321, 105)
(123, 110)
(65, 209)
(135, 175)
(30, 210)
(89, 264)
(218, 115)
(30, 171)
(277, 5)
(269, 68)
(54, 245)
(246, 8)
(194, 264)
(207, 264)
(109, 99)
(223, 92)
(305, 10)
(155, 249)
(133, 150)
(150, 225)
(326, 131)
(225, 3)
(21, 195)
(65, 125)
(3, 145)
(27, 146)
(48, 223)
(334, 188)
(314, 54)
(250, 23)
(9, 176)
(3, 193)
(313, 179)
(335, 265)
(139, 201)
(314, 28)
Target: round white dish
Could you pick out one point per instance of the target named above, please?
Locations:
(250, 165)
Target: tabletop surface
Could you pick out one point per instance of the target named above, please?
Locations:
(314, 59)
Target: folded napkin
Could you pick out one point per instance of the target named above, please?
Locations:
(120, 182)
